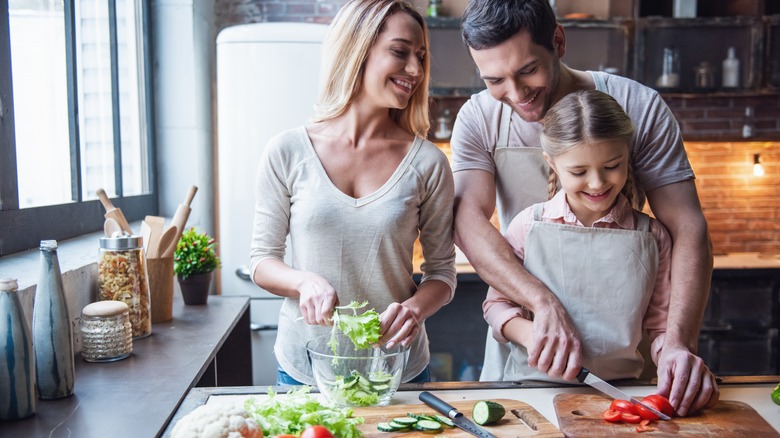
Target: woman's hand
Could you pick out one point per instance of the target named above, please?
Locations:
(317, 300)
(399, 325)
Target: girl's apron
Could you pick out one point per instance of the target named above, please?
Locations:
(605, 296)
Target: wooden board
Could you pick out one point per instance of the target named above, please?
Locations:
(579, 415)
(521, 420)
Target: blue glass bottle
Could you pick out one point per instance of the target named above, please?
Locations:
(52, 333)
(17, 360)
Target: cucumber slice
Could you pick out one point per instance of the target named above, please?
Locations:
(398, 426)
(445, 421)
(427, 426)
(405, 420)
(387, 427)
(487, 412)
(381, 388)
(422, 417)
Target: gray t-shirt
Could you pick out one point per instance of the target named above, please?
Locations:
(363, 247)
(658, 156)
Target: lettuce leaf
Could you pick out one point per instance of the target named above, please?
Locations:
(363, 329)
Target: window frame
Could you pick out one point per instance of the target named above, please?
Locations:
(22, 229)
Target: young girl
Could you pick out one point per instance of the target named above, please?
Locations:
(607, 263)
(354, 189)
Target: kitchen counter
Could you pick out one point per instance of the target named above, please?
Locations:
(755, 391)
(137, 396)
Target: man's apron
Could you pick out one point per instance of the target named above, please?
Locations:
(521, 180)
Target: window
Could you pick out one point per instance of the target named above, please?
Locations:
(74, 117)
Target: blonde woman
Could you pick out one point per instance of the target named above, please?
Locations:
(608, 263)
(354, 189)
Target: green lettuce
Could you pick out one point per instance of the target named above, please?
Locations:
(363, 329)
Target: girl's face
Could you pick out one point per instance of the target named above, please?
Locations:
(592, 175)
(394, 67)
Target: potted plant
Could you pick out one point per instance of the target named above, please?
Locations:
(194, 260)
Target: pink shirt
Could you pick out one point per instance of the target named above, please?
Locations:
(498, 309)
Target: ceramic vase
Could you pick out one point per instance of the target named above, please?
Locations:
(52, 333)
(17, 360)
(195, 288)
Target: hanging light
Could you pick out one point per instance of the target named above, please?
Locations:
(758, 169)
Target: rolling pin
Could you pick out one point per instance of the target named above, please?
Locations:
(180, 220)
(113, 212)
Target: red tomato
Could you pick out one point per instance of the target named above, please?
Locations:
(659, 402)
(630, 418)
(646, 413)
(612, 416)
(287, 435)
(623, 406)
(316, 432)
(644, 426)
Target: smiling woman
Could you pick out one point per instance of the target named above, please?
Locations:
(74, 115)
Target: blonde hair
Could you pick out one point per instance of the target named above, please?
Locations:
(350, 38)
(581, 117)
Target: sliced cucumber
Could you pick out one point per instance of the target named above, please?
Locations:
(405, 420)
(487, 412)
(398, 426)
(427, 426)
(390, 427)
(445, 421)
(422, 417)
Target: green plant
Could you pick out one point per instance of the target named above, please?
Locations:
(195, 254)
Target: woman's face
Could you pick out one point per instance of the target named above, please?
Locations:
(592, 175)
(394, 67)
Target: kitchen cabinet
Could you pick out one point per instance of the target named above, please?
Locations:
(773, 51)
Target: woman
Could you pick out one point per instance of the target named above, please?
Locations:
(354, 189)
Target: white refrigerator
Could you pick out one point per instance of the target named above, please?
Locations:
(267, 82)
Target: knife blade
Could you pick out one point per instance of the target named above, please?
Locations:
(585, 376)
(455, 415)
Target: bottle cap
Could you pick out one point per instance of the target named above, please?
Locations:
(121, 242)
(48, 245)
(105, 308)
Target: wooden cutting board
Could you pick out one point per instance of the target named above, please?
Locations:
(579, 415)
(521, 420)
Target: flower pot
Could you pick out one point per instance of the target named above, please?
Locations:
(195, 288)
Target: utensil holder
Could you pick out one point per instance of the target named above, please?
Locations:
(160, 271)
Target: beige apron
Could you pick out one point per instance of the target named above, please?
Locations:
(606, 297)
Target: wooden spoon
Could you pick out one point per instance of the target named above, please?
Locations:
(166, 240)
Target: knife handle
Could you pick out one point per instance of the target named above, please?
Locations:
(582, 374)
(438, 404)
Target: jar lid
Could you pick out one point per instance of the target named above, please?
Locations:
(8, 284)
(105, 308)
(121, 242)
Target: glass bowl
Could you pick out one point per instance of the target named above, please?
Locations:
(356, 377)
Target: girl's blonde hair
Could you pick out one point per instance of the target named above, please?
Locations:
(581, 117)
(350, 38)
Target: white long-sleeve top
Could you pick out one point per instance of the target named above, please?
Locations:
(363, 247)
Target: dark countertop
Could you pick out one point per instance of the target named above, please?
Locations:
(136, 397)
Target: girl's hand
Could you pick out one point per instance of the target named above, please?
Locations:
(399, 325)
(317, 300)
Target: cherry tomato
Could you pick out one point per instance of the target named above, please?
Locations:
(659, 402)
(623, 406)
(316, 432)
(646, 413)
(612, 416)
(287, 435)
(644, 426)
(630, 418)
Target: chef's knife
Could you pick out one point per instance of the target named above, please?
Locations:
(456, 416)
(585, 376)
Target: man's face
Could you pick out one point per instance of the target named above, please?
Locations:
(522, 74)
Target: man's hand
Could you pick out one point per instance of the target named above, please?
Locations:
(399, 325)
(686, 381)
(556, 349)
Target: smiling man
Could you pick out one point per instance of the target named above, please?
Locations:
(518, 47)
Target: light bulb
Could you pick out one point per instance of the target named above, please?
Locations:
(758, 169)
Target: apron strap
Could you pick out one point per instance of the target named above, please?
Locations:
(642, 222)
(503, 127)
(538, 210)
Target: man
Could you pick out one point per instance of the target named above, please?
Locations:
(517, 46)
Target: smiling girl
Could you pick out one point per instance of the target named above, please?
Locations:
(608, 263)
(354, 189)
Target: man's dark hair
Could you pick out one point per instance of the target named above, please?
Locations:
(488, 23)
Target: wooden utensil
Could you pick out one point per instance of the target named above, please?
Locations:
(580, 415)
(167, 240)
(111, 226)
(180, 219)
(521, 420)
(146, 234)
(113, 212)
(156, 225)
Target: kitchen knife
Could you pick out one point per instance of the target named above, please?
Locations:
(585, 376)
(456, 416)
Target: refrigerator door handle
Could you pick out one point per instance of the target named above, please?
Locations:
(242, 272)
(262, 327)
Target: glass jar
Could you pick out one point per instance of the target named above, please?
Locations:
(122, 277)
(106, 332)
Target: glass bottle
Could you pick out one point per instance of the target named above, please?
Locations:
(670, 74)
(122, 277)
(17, 360)
(434, 8)
(731, 69)
(52, 334)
